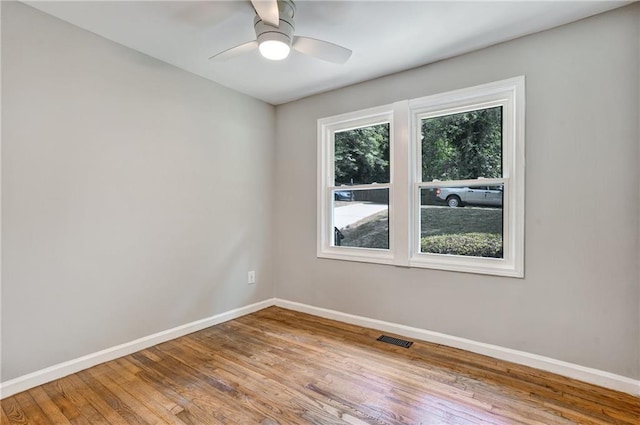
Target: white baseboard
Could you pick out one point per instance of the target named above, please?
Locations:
(61, 370)
(585, 374)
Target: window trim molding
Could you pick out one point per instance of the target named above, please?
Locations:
(405, 178)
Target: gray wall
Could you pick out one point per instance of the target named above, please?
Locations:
(136, 196)
(579, 301)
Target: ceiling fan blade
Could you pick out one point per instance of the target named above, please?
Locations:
(268, 11)
(321, 49)
(235, 51)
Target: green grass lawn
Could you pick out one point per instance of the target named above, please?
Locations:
(446, 221)
(482, 226)
(372, 232)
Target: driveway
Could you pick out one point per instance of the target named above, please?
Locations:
(352, 213)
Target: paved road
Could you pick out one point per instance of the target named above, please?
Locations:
(349, 214)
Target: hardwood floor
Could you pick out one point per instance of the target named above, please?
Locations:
(281, 367)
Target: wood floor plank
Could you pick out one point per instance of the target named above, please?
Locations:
(193, 411)
(31, 409)
(144, 392)
(4, 420)
(278, 366)
(306, 374)
(252, 399)
(134, 394)
(70, 408)
(229, 371)
(13, 411)
(112, 399)
(208, 393)
(74, 402)
(52, 411)
(110, 415)
(101, 373)
(292, 398)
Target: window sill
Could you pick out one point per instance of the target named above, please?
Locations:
(484, 266)
(357, 254)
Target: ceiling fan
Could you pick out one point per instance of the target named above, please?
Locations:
(274, 26)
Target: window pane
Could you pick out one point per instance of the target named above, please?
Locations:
(462, 221)
(361, 218)
(362, 155)
(462, 146)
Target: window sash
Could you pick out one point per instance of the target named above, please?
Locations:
(361, 254)
(428, 258)
(377, 186)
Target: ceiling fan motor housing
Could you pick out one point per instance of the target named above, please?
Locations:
(284, 32)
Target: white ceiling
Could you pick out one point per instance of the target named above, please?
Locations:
(385, 36)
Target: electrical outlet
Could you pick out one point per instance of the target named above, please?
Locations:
(251, 278)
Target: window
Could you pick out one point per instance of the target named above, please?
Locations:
(435, 182)
(357, 186)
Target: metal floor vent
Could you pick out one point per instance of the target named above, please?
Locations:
(395, 341)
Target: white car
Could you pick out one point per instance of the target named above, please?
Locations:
(477, 195)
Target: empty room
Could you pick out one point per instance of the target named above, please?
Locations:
(320, 212)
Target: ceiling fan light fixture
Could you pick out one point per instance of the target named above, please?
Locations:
(274, 50)
(274, 43)
(274, 27)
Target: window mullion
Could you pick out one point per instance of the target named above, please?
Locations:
(401, 198)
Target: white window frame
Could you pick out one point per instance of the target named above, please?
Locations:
(405, 118)
(327, 127)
